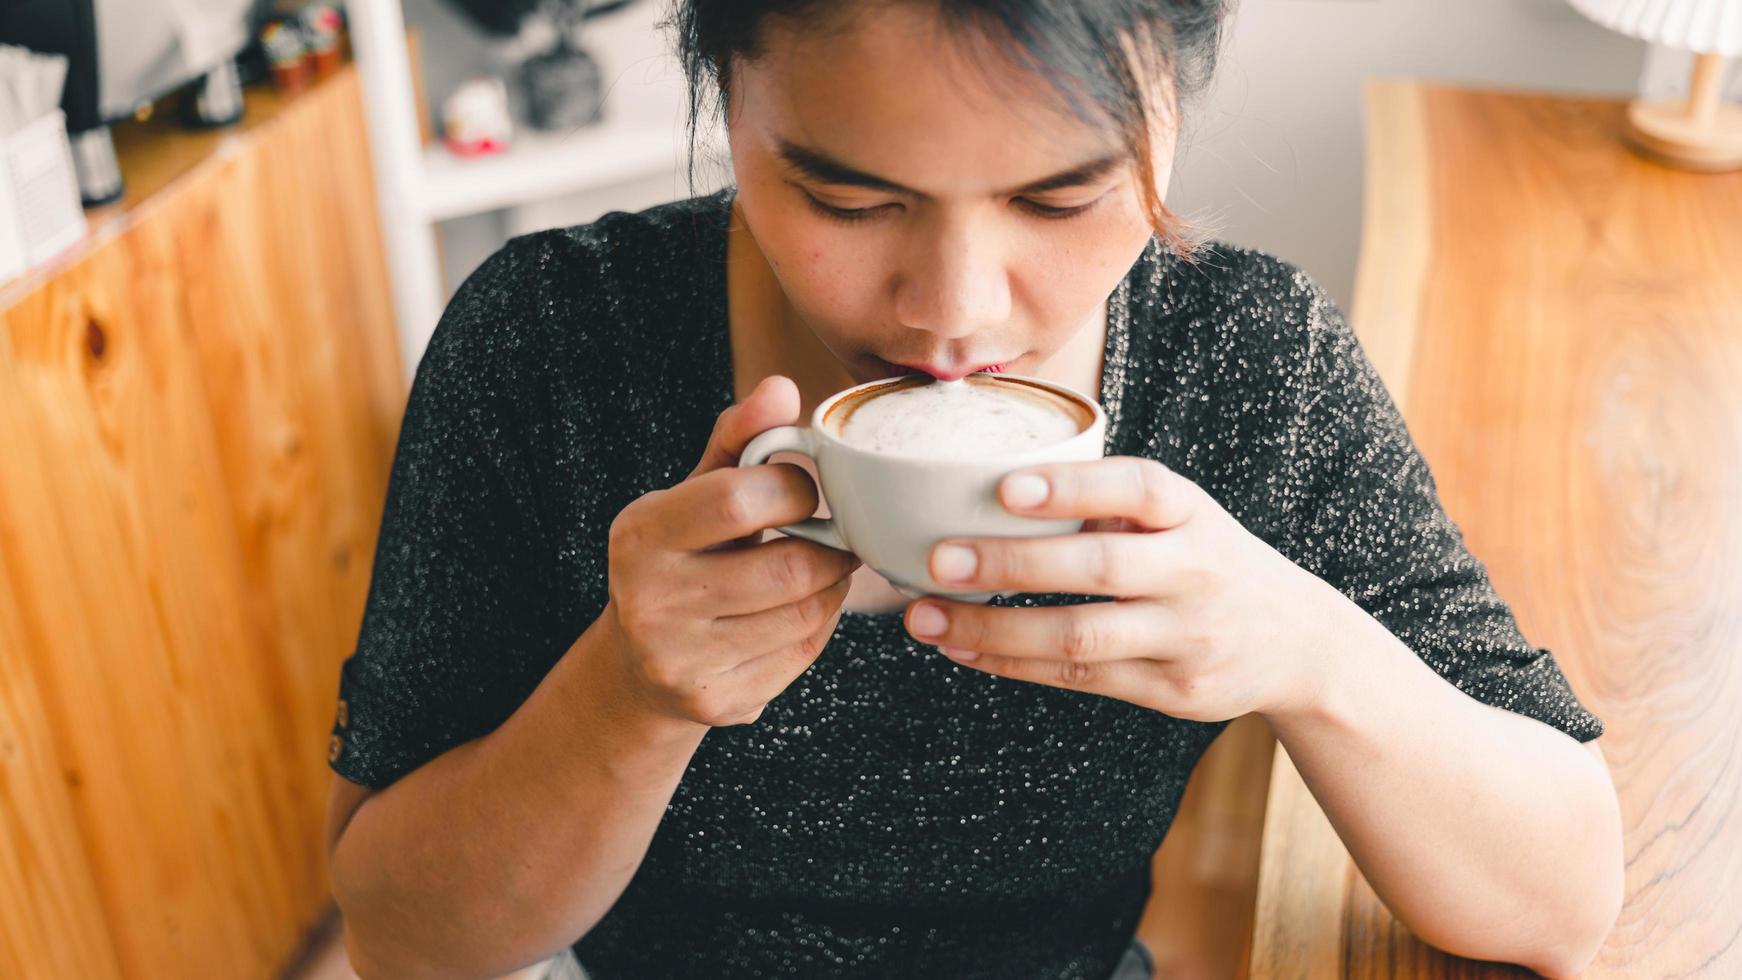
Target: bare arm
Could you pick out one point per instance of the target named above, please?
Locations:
(501, 851)
(1489, 834)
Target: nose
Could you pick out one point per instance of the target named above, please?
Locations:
(955, 280)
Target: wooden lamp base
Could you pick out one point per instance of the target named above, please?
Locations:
(1700, 134)
(1664, 130)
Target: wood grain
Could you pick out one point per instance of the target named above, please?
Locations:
(198, 410)
(1572, 371)
(1198, 923)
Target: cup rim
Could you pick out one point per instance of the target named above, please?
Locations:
(1095, 429)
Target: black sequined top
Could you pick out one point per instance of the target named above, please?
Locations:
(891, 814)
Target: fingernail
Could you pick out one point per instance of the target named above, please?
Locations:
(1026, 490)
(929, 620)
(954, 563)
(954, 653)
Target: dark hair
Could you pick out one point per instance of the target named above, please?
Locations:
(1101, 56)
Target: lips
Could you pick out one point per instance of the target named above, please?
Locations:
(944, 374)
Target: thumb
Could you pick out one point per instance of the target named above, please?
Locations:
(774, 402)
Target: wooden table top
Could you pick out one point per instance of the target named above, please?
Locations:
(1561, 322)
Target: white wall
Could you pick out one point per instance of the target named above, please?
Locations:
(1273, 153)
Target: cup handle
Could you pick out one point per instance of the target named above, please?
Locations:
(791, 438)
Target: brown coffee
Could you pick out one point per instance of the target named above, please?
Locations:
(980, 416)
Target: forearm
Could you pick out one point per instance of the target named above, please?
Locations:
(1488, 833)
(503, 850)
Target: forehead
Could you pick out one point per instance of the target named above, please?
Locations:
(898, 91)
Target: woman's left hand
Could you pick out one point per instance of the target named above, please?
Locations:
(1208, 622)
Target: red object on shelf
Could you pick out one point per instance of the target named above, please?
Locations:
(291, 77)
(475, 148)
(325, 61)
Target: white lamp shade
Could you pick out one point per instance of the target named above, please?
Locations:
(1703, 26)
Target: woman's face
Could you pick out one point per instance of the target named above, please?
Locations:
(925, 205)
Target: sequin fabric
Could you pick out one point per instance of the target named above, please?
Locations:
(892, 813)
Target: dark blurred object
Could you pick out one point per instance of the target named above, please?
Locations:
(564, 88)
(505, 17)
(149, 50)
(63, 27)
(98, 171)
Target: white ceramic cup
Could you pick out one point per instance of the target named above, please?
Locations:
(891, 509)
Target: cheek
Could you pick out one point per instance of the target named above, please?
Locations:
(814, 264)
(829, 275)
(1073, 265)
(801, 249)
(1115, 238)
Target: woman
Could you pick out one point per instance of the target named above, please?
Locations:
(592, 705)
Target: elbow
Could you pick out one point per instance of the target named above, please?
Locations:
(1590, 918)
(1596, 895)
(1560, 925)
(366, 965)
(367, 956)
(1583, 935)
(387, 940)
(1569, 960)
(371, 959)
(370, 948)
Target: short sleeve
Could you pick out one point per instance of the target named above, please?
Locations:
(457, 628)
(1371, 524)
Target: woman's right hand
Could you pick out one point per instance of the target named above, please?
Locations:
(709, 622)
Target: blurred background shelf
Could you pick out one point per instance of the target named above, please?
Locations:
(540, 166)
(634, 157)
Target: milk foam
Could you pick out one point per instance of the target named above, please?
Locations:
(959, 419)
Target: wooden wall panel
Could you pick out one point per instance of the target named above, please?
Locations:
(197, 414)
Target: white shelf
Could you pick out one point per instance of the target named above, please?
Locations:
(417, 187)
(539, 166)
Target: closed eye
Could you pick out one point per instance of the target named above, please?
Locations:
(1055, 212)
(851, 215)
(848, 214)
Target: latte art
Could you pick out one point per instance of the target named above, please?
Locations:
(974, 418)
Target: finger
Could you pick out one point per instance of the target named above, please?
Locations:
(773, 402)
(1122, 565)
(783, 626)
(753, 538)
(767, 575)
(1140, 490)
(1127, 680)
(734, 502)
(1092, 632)
(774, 672)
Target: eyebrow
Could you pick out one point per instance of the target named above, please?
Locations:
(825, 169)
